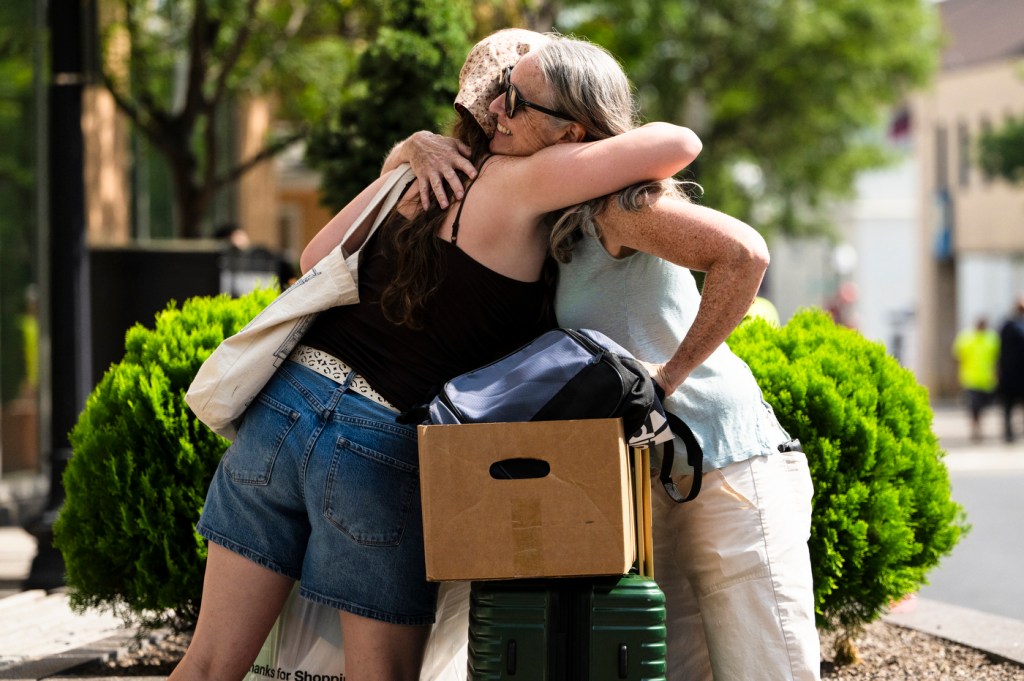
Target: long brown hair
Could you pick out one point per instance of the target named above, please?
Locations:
(418, 269)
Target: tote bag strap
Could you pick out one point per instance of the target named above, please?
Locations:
(382, 203)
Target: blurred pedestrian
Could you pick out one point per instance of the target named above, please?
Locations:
(762, 308)
(234, 236)
(1011, 366)
(246, 266)
(977, 352)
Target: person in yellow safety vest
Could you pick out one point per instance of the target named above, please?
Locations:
(977, 352)
(763, 308)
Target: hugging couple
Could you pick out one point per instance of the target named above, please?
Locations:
(548, 205)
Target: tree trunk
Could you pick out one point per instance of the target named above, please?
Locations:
(190, 200)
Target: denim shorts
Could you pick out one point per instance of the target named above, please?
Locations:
(322, 485)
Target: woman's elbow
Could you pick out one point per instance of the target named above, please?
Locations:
(682, 146)
(755, 251)
(690, 146)
(747, 254)
(307, 260)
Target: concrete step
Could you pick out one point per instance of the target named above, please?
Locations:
(36, 624)
(17, 549)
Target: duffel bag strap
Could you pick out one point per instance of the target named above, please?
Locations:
(694, 457)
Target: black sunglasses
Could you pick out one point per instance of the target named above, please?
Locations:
(515, 101)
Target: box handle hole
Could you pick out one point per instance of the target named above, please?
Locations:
(520, 469)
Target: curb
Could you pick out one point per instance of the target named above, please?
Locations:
(999, 636)
(104, 650)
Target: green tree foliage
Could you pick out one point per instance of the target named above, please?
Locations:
(406, 80)
(17, 188)
(780, 91)
(140, 468)
(174, 68)
(1002, 151)
(883, 515)
(493, 15)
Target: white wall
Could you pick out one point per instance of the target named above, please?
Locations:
(987, 285)
(799, 275)
(879, 225)
(882, 227)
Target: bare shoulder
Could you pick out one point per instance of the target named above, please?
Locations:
(499, 189)
(498, 227)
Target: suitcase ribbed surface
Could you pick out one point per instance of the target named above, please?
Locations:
(567, 630)
(629, 613)
(509, 636)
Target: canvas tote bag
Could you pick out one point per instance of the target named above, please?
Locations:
(237, 370)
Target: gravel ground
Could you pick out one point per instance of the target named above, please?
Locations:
(887, 653)
(890, 653)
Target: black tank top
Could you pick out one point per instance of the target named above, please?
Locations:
(476, 316)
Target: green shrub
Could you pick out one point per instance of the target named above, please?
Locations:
(883, 516)
(135, 486)
(140, 468)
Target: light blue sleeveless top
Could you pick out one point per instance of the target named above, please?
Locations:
(646, 304)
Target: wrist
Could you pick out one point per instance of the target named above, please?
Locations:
(663, 379)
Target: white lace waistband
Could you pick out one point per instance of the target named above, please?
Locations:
(336, 370)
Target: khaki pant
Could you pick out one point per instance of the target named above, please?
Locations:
(736, 573)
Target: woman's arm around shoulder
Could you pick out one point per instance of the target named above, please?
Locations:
(569, 172)
(731, 253)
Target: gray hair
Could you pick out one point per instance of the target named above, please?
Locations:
(588, 84)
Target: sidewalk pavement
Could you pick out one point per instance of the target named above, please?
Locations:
(40, 636)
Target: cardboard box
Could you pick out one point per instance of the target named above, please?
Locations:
(576, 519)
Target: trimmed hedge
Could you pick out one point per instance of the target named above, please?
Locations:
(882, 515)
(140, 468)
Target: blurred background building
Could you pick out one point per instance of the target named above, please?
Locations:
(932, 242)
(971, 225)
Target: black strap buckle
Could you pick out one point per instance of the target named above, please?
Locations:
(694, 456)
(791, 446)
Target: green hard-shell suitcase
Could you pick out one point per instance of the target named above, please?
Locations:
(592, 629)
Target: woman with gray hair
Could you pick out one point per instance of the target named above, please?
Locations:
(733, 563)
